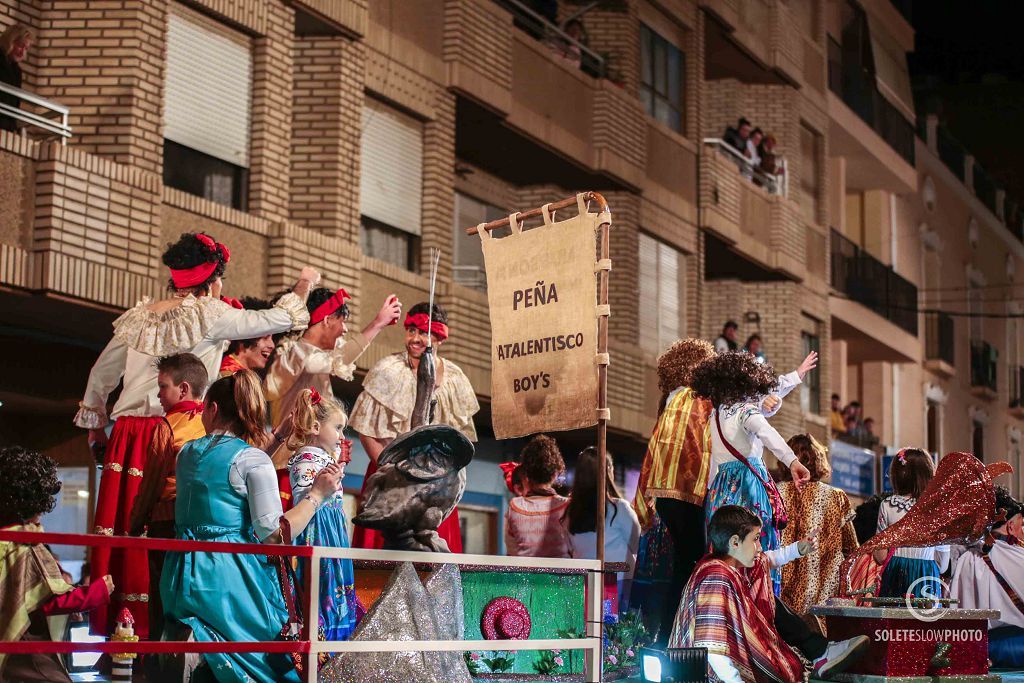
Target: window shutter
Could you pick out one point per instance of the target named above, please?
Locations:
(668, 294)
(649, 300)
(391, 179)
(207, 109)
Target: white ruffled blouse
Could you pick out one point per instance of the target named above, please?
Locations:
(202, 326)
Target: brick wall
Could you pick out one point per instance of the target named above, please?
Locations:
(272, 115)
(439, 182)
(105, 61)
(325, 158)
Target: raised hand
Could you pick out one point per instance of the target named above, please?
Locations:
(800, 474)
(809, 364)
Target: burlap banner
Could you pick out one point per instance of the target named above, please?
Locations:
(541, 289)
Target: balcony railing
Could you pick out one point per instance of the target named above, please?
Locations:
(59, 127)
(869, 282)
(951, 152)
(1017, 387)
(550, 34)
(777, 183)
(940, 337)
(857, 88)
(984, 359)
(984, 188)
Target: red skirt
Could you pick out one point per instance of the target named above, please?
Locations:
(126, 457)
(374, 540)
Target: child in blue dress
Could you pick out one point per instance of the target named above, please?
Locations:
(318, 442)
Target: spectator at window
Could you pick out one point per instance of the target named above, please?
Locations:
(838, 423)
(727, 340)
(853, 418)
(737, 137)
(754, 347)
(14, 44)
(868, 432)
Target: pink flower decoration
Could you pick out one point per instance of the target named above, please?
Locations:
(474, 656)
(559, 661)
(613, 659)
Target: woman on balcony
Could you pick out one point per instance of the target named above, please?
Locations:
(14, 44)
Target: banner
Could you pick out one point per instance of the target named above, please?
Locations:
(542, 295)
(853, 469)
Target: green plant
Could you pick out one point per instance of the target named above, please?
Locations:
(500, 662)
(472, 662)
(551, 661)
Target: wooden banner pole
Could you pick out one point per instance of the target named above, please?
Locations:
(595, 616)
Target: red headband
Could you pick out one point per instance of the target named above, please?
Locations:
(197, 275)
(420, 320)
(314, 397)
(328, 307)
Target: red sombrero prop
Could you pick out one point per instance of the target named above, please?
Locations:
(957, 507)
(505, 618)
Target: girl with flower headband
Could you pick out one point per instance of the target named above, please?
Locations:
(909, 473)
(317, 439)
(193, 319)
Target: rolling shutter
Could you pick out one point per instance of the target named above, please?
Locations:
(391, 178)
(208, 91)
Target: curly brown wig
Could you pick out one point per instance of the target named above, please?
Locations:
(542, 460)
(678, 361)
(30, 485)
(189, 252)
(811, 454)
(733, 377)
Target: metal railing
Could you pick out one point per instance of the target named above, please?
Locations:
(869, 282)
(857, 87)
(549, 33)
(940, 337)
(309, 645)
(60, 129)
(777, 183)
(984, 362)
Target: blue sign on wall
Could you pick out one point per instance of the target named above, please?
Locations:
(853, 469)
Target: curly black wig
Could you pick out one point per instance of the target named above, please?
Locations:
(320, 295)
(30, 484)
(1005, 501)
(440, 315)
(733, 377)
(542, 460)
(865, 523)
(189, 252)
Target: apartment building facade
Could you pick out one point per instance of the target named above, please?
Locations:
(355, 135)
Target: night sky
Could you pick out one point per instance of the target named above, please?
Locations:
(968, 66)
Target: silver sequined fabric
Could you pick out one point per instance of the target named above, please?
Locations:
(407, 610)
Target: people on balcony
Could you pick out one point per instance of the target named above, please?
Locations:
(752, 152)
(14, 45)
(754, 347)
(838, 424)
(737, 137)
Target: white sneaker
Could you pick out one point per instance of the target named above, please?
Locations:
(839, 656)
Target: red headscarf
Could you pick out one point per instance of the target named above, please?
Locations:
(197, 275)
(328, 307)
(420, 320)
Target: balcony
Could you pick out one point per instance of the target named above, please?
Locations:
(871, 283)
(868, 130)
(940, 348)
(548, 33)
(984, 363)
(761, 226)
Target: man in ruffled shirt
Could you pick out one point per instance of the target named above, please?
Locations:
(384, 409)
(182, 379)
(192, 319)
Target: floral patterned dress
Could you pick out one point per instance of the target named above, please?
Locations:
(339, 609)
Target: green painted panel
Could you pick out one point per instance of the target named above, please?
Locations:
(555, 603)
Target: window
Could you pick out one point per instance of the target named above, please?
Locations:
(662, 283)
(662, 69)
(978, 440)
(391, 184)
(469, 257)
(479, 527)
(207, 110)
(1013, 360)
(810, 390)
(810, 173)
